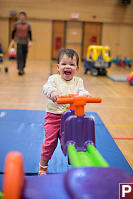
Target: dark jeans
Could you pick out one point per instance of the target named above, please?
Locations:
(22, 50)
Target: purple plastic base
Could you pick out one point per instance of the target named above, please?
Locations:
(64, 116)
(77, 183)
(95, 182)
(79, 131)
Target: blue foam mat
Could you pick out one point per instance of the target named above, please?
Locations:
(23, 130)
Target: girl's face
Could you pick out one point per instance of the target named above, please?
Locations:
(67, 67)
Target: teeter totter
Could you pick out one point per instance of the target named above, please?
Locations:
(90, 177)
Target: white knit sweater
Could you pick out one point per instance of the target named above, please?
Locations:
(56, 83)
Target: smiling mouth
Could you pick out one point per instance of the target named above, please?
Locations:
(67, 72)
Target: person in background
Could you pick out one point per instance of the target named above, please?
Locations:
(63, 83)
(23, 35)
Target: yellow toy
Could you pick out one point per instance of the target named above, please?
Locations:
(97, 60)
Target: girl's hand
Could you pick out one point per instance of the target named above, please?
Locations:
(54, 96)
(87, 95)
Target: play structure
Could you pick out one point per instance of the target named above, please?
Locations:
(12, 51)
(98, 59)
(90, 175)
(122, 62)
(130, 78)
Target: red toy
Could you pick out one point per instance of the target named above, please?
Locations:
(130, 78)
(12, 51)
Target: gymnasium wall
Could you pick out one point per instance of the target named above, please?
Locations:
(120, 39)
(4, 33)
(117, 28)
(42, 39)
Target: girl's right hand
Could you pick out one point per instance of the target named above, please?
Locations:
(54, 96)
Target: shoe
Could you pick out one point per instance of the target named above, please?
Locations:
(23, 72)
(20, 72)
(42, 173)
(42, 170)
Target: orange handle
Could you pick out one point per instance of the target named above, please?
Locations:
(94, 100)
(64, 100)
(68, 100)
(72, 107)
(78, 102)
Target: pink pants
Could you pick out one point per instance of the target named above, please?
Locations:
(52, 128)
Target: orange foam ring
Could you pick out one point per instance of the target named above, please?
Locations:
(13, 176)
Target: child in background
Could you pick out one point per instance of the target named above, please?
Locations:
(63, 83)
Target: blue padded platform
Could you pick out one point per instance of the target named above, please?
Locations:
(107, 146)
(23, 130)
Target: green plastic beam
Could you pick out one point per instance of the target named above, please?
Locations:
(89, 158)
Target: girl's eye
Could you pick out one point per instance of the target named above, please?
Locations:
(63, 64)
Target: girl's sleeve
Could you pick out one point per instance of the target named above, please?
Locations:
(49, 86)
(82, 90)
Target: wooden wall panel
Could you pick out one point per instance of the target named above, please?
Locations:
(58, 37)
(119, 38)
(4, 35)
(74, 36)
(92, 36)
(41, 12)
(42, 37)
(94, 11)
(12, 21)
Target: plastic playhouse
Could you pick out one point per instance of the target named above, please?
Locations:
(130, 78)
(90, 175)
(98, 59)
